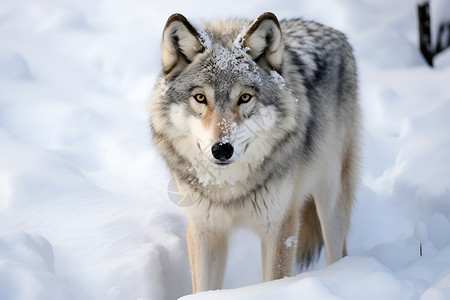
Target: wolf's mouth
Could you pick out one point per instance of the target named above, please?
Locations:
(222, 163)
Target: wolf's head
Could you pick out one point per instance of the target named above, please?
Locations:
(218, 98)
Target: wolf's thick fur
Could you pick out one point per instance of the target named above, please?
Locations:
(258, 122)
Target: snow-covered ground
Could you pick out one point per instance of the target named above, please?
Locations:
(84, 210)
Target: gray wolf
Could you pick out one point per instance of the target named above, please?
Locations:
(259, 124)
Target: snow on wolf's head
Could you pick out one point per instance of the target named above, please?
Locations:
(220, 90)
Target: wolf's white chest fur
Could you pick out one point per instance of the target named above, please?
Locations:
(261, 210)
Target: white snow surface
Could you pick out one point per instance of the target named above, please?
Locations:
(84, 208)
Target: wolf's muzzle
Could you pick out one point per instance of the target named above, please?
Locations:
(222, 151)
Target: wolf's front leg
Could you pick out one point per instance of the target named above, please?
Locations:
(278, 247)
(208, 255)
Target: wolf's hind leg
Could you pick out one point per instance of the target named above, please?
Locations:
(334, 221)
(334, 205)
(208, 256)
(310, 240)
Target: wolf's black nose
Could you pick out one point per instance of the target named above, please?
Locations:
(222, 151)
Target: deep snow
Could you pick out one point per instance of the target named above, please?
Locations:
(84, 209)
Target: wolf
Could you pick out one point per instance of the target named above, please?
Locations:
(258, 122)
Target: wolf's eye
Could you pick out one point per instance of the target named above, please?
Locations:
(244, 98)
(200, 98)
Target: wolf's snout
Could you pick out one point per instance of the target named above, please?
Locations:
(222, 151)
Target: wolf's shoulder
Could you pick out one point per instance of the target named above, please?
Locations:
(311, 32)
(317, 52)
(312, 35)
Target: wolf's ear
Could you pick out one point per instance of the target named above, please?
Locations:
(264, 42)
(180, 44)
